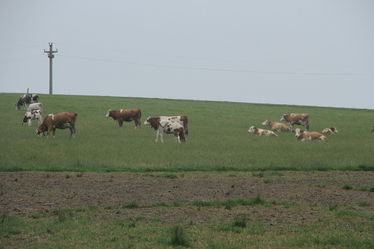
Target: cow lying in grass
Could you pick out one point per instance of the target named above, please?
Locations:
(55, 121)
(167, 125)
(331, 130)
(32, 115)
(309, 135)
(261, 132)
(125, 115)
(276, 126)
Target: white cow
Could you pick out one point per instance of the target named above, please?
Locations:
(35, 106)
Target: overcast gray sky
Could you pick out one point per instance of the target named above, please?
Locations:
(303, 52)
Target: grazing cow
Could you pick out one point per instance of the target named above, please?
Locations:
(32, 115)
(331, 130)
(126, 115)
(35, 106)
(168, 125)
(295, 118)
(26, 99)
(61, 120)
(276, 126)
(261, 132)
(309, 135)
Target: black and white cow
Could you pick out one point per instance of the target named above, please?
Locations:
(26, 99)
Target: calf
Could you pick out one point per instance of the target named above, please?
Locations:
(126, 115)
(276, 126)
(261, 132)
(32, 115)
(331, 130)
(295, 118)
(55, 121)
(308, 135)
(168, 125)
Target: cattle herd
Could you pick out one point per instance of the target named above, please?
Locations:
(290, 120)
(176, 125)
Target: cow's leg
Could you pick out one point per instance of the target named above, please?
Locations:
(29, 122)
(162, 136)
(120, 122)
(157, 134)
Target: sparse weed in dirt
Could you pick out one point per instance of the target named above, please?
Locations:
(64, 214)
(365, 204)
(320, 185)
(348, 187)
(132, 204)
(333, 207)
(267, 181)
(258, 174)
(240, 221)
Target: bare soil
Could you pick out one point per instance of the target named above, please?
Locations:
(33, 192)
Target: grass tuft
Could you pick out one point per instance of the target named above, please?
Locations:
(178, 236)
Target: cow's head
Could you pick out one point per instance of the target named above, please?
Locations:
(334, 130)
(283, 117)
(25, 119)
(266, 123)
(154, 122)
(252, 129)
(108, 113)
(40, 131)
(298, 132)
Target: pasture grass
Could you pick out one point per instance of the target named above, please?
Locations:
(116, 228)
(218, 138)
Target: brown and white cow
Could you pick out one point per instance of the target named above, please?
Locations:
(125, 115)
(168, 125)
(309, 135)
(331, 130)
(261, 132)
(61, 120)
(32, 115)
(276, 126)
(296, 118)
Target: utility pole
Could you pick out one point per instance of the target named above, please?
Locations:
(50, 56)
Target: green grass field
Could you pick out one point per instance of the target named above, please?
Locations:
(218, 138)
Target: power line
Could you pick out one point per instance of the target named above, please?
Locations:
(208, 68)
